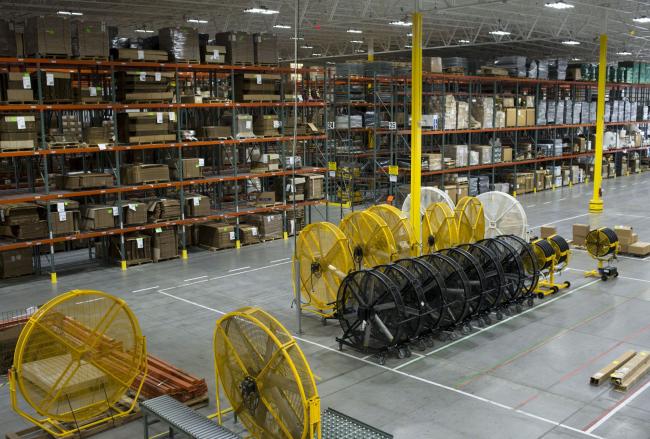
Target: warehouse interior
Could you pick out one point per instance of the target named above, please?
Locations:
(299, 219)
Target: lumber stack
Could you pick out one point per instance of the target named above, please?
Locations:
(165, 379)
(624, 371)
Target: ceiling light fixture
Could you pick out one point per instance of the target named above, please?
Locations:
(316, 54)
(282, 26)
(355, 31)
(296, 38)
(641, 19)
(500, 32)
(407, 46)
(196, 20)
(624, 53)
(69, 13)
(401, 23)
(576, 59)
(360, 51)
(263, 11)
(145, 31)
(356, 41)
(559, 5)
(306, 47)
(571, 43)
(464, 41)
(410, 34)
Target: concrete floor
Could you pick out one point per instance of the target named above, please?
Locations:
(526, 377)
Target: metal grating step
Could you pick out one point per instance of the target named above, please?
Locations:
(336, 425)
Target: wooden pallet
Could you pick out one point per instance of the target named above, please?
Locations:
(169, 258)
(626, 376)
(19, 102)
(63, 145)
(93, 58)
(49, 55)
(214, 249)
(14, 149)
(129, 263)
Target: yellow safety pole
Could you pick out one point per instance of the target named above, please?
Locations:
(596, 202)
(371, 49)
(416, 130)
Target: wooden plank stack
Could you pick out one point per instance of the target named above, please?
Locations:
(165, 379)
(624, 371)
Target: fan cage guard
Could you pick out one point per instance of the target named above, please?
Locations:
(477, 301)
(504, 215)
(75, 360)
(545, 255)
(470, 219)
(265, 376)
(494, 274)
(529, 262)
(512, 267)
(322, 259)
(602, 243)
(562, 251)
(441, 217)
(405, 242)
(370, 239)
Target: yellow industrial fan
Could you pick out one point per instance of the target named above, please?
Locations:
(440, 229)
(401, 229)
(75, 359)
(264, 375)
(470, 220)
(370, 238)
(553, 256)
(323, 259)
(602, 245)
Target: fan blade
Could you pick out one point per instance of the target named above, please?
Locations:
(385, 306)
(336, 271)
(383, 328)
(366, 335)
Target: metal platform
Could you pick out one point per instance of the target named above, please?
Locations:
(181, 419)
(336, 425)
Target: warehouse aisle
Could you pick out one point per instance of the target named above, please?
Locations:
(526, 377)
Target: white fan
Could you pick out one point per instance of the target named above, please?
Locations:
(428, 196)
(504, 215)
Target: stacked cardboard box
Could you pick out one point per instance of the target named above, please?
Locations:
(295, 221)
(248, 234)
(580, 232)
(14, 263)
(216, 132)
(18, 132)
(213, 54)
(98, 217)
(192, 168)
(293, 186)
(196, 205)
(547, 231)
(239, 47)
(164, 243)
(266, 49)
(217, 235)
(56, 86)
(163, 209)
(8, 47)
(64, 216)
(257, 87)
(626, 237)
(244, 126)
(97, 135)
(22, 221)
(269, 225)
(266, 163)
(267, 125)
(48, 35)
(70, 130)
(314, 186)
(458, 153)
(144, 173)
(124, 54)
(146, 127)
(181, 43)
(83, 180)
(431, 161)
(18, 87)
(144, 86)
(92, 93)
(137, 248)
(89, 40)
(134, 213)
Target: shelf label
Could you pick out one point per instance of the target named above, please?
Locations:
(331, 125)
(201, 162)
(158, 229)
(140, 54)
(60, 207)
(159, 117)
(63, 216)
(276, 124)
(115, 211)
(132, 207)
(143, 76)
(215, 55)
(196, 201)
(101, 146)
(232, 236)
(49, 79)
(27, 83)
(172, 116)
(392, 125)
(392, 178)
(332, 168)
(249, 124)
(254, 231)
(158, 76)
(20, 122)
(393, 171)
(258, 78)
(140, 242)
(92, 91)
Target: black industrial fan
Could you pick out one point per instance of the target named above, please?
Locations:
(433, 287)
(494, 280)
(372, 315)
(512, 268)
(472, 268)
(603, 246)
(529, 260)
(456, 293)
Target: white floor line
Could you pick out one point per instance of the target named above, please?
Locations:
(560, 220)
(617, 408)
(187, 284)
(532, 205)
(250, 271)
(89, 301)
(238, 269)
(547, 202)
(194, 278)
(562, 199)
(279, 260)
(408, 375)
(632, 216)
(145, 289)
(487, 328)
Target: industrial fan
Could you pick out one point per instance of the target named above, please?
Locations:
(371, 240)
(264, 375)
(513, 269)
(401, 229)
(322, 260)
(428, 196)
(75, 359)
(602, 245)
(476, 301)
(372, 315)
(470, 220)
(439, 228)
(529, 260)
(504, 215)
(553, 264)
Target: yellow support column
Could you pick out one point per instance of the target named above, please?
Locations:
(596, 202)
(416, 130)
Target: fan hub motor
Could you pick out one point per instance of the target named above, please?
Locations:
(358, 253)
(365, 313)
(492, 224)
(250, 393)
(316, 269)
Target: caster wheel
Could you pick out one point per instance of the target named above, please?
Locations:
(531, 302)
(452, 336)
(540, 295)
(567, 284)
(420, 345)
(381, 360)
(401, 353)
(555, 290)
(443, 337)
(408, 353)
(507, 311)
(499, 315)
(603, 278)
(464, 330)
(487, 320)
(480, 322)
(430, 342)
(340, 346)
(616, 274)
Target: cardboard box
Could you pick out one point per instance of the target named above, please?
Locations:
(265, 47)
(81, 180)
(35, 230)
(217, 132)
(65, 222)
(248, 234)
(265, 198)
(269, 225)
(314, 186)
(181, 43)
(511, 117)
(89, 39)
(239, 47)
(580, 232)
(163, 209)
(97, 217)
(19, 213)
(14, 263)
(506, 154)
(214, 54)
(144, 173)
(192, 168)
(196, 205)
(134, 213)
(530, 117)
(639, 248)
(47, 35)
(217, 235)
(546, 231)
(164, 243)
(137, 248)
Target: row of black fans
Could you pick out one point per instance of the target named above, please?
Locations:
(406, 303)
